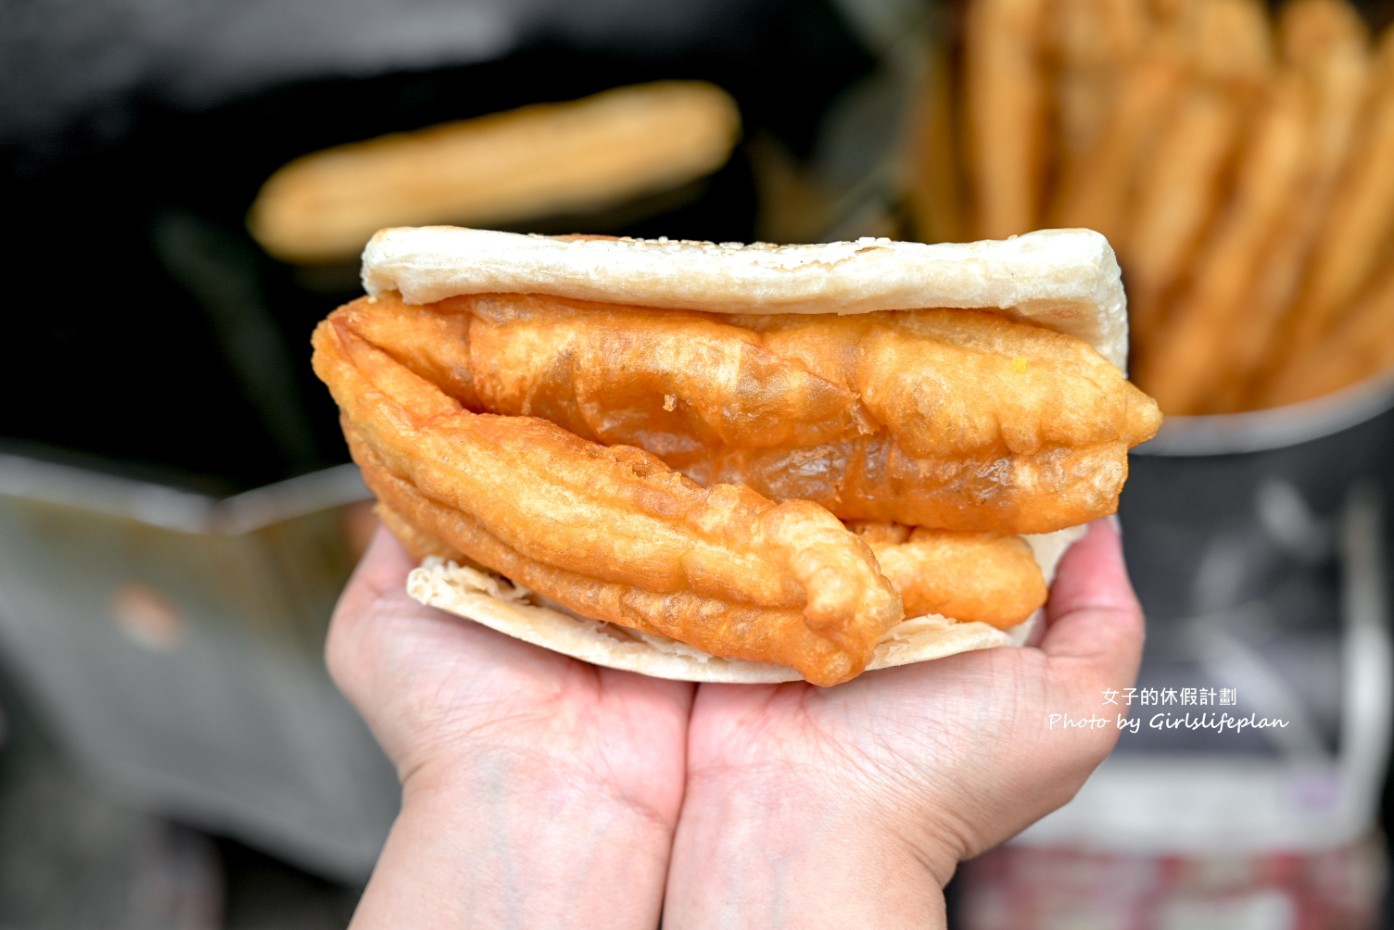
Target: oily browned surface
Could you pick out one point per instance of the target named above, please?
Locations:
(684, 473)
(979, 576)
(611, 532)
(961, 420)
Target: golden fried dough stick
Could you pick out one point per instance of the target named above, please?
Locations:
(1183, 369)
(434, 346)
(972, 577)
(1352, 238)
(611, 532)
(1358, 346)
(874, 479)
(419, 543)
(619, 374)
(1178, 185)
(938, 381)
(1005, 114)
(932, 416)
(1177, 195)
(968, 576)
(984, 577)
(944, 382)
(764, 634)
(1326, 45)
(664, 382)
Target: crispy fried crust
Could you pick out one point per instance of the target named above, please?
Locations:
(611, 533)
(987, 577)
(953, 419)
(973, 577)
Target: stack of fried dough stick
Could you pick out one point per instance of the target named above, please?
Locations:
(1241, 163)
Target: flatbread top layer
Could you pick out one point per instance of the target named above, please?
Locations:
(1067, 280)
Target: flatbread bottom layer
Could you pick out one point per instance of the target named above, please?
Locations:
(488, 599)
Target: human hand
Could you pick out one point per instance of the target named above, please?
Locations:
(851, 806)
(537, 790)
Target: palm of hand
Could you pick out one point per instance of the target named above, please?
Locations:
(955, 753)
(959, 740)
(440, 694)
(962, 747)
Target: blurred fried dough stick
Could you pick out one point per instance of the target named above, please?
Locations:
(1178, 187)
(1183, 368)
(611, 532)
(1005, 114)
(499, 168)
(935, 192)
(1326, 45)
(1093, 44)
(1353, 239)
(1359, 346)
(1142, 73)
(1163, 11)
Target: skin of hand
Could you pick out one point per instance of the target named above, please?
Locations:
(537, 790)
(852, 806)
(540, 791)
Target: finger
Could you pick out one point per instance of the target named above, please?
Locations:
(379, 576)
(375, 608)
(383, 568)
(1093, 614)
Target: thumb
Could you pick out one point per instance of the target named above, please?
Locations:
(1093, 616)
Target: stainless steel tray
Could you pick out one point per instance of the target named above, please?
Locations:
(173, 642)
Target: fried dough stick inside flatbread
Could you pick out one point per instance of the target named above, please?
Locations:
(611, 532)
(968, 576)
(874, 479)
(984, 577)
(956, 419)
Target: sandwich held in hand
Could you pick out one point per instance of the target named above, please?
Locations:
(742, 463)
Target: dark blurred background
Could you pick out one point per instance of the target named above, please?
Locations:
(136, 135)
